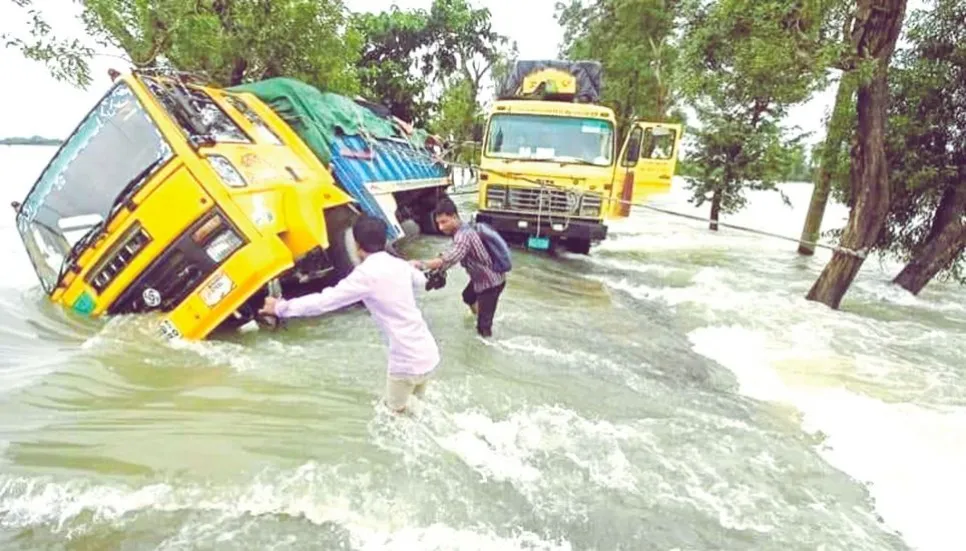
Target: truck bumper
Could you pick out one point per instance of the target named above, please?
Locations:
(527, 225)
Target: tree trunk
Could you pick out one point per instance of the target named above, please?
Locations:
(945, 242)
(835, 135)
(715, 209)
(877, 27)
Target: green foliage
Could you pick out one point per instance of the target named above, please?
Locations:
(743, 63)
(234, 41)
(405, 52)
(633, 41)
(389, 68)
(67, 60)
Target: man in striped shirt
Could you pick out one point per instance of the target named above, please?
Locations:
(485, 286)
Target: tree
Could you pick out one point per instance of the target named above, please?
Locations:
(743, 64)
(405, 52)
(874, 35)
(234, 41)
(633, 41)
(464, 45)
(389, 68)
(926, 149)
(67, 60)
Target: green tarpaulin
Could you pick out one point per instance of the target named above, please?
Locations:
(315, 115)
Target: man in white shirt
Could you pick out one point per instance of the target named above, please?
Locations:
(386, 286)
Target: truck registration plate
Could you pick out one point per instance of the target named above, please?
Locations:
(539, 243)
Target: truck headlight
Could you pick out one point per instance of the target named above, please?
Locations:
(226, 171)
(590, 205)
(223, 245)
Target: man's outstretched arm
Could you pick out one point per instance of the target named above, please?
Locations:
(350, 290)
(449, 258)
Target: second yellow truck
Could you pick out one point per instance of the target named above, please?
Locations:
(550, 173)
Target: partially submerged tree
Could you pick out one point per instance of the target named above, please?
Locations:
(234, 41)
(744, 62)
(874, 35)
(67, 60)
(838, 130)
(927, 149)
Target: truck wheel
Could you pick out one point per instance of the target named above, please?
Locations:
(342, 251)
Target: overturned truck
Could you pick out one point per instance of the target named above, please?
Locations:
(194, 202)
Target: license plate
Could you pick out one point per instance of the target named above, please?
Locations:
(217, 289)
(169, 331)
(539, 243)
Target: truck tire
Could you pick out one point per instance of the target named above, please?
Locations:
(342, 251)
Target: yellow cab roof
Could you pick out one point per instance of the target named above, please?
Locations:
(558, 108)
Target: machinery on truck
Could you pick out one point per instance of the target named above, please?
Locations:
(550, 173)
(195, 202)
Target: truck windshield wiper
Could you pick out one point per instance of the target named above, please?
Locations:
(97, 229)
(575, 161)
(131, 188)
(78, 248)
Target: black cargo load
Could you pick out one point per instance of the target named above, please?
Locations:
(588, 75)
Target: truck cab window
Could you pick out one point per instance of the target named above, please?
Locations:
(658, 143)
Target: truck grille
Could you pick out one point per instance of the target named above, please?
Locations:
(132, 243)
(543, 200)
(178, 271)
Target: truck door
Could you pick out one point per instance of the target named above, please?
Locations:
(647, 163)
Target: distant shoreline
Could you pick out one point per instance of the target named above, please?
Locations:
(33, 140)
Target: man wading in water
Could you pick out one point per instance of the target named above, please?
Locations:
(386, 286)
(486, 283)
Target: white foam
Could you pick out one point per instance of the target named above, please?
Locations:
(319, 496)
(513, 448)
(911, 457)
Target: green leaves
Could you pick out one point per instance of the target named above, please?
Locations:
(67, 60)
(405, 52)
(633, 41)
(743, 63)
(233, 41)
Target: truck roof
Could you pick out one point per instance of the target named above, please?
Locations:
(558, 108)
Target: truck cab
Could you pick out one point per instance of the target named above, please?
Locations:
(550, 172)
(184, 201)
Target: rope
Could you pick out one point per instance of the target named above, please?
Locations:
(606, 201)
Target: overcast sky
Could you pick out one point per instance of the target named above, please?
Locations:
(31, 102)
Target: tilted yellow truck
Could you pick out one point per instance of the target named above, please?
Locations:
(550, 174)
(195, 202)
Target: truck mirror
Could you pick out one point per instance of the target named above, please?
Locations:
(477, 132)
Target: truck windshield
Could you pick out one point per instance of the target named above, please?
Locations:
(116, 147)
(550, 138)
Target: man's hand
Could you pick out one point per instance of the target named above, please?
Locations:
(423, 265)
(269, 307)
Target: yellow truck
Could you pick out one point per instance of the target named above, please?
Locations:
(194, 202)
(550, 174)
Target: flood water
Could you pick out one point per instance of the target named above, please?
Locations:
(672, 391)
